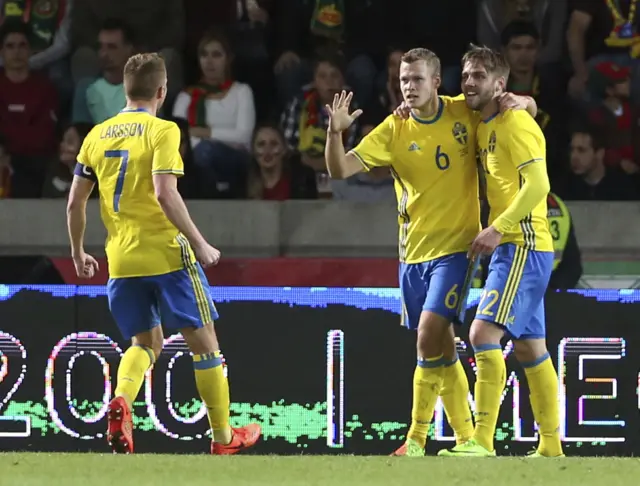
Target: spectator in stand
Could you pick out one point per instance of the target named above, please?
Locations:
(547, 16)
(189, 184)
(604, 30)
(28, 106)
(352, 27)
(58, 179)
(592, 180)
(96, 100)
(615, 115)
(221, 116)
(276, 174)
(248, 23)
(50, 24)
(377, 184)
(305, 120)
(158, 26)
(521, 46)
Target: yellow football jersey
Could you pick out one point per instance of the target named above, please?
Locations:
(506, 144)
(124, 152)
(433, 163)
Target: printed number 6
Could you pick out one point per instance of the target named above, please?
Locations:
(124, 155)
(451, 300)
(442, 159)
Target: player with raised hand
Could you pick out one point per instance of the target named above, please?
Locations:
(513, 155)
(155, 253)
(431, 156)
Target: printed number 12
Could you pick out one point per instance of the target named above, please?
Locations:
(124, 155)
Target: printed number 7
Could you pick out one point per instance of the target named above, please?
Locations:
(124, 155)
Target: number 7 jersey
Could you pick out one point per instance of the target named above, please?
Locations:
(121, 155)
(434, 165)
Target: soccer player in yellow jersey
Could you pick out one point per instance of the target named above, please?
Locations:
(431, 156)
(512, 153)
(154, 252)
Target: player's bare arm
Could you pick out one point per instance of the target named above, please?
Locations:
(173, 206)
(81, 187)
(340, 165)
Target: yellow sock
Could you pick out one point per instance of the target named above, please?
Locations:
(214, 391)
(543, 386)
(455, 398)
(427, 382)
(133, 365)
(492, 374)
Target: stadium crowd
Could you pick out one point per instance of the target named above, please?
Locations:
(248, 81)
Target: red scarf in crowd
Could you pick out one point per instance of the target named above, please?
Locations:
(197, 113)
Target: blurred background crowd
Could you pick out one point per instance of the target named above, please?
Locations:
(248, 80)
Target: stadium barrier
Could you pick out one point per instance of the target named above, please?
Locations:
(297, 228)
(324, 370)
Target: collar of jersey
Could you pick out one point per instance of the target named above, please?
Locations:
(137, 110)
(429, 121)
(487, 120)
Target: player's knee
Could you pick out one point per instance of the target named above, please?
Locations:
(482, 333)
(529, 350)
(431, 332)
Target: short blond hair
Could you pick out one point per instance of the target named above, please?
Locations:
(422, 54)
(493, 61)
(144, 74)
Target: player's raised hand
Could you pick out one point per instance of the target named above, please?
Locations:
(86, 266)
(403, 111)
(207, 255)
(339, 117)
(485, 243)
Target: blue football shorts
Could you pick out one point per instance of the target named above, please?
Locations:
(178, 300)
(440, 286)
(513, 295)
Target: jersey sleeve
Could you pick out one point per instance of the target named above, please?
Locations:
(84, 167)
(166, 153)
(526, 141)
(374, 150)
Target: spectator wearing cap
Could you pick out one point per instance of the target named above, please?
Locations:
(615, 115)
(520, 41)
(599, 31)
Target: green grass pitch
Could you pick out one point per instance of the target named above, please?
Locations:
(39, 469)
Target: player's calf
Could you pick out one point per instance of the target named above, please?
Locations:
(213, 388)
(543, 385)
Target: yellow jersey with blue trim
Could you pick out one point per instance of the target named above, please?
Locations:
(506, 144)
(433, 163)
(122, 154)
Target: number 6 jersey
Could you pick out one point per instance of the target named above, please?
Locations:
(122, 154)
(433, 162)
